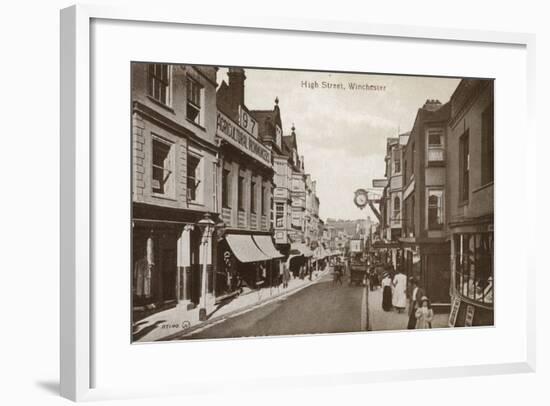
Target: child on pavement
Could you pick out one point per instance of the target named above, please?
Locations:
(424, 314)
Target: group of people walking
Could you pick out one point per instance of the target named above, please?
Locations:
(394, 296)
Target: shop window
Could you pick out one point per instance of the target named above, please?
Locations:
(474, 266)
(240, 193)
(464, 166)
(279, 215)
(193, 177)
(194, 101)
(162, 168)
(226, 188)
(435, 209)
(487, 145)
(158, 82)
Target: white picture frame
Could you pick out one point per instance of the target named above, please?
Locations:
(77, 187)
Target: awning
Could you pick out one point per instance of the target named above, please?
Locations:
(300, 249)
(245, 249)
(266, 245)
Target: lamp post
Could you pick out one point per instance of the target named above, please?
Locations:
(206, 225)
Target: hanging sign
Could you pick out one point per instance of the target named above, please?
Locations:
(470, 311)
(454, 311)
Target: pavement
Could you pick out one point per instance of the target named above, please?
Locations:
(380, 320)
(180, 322)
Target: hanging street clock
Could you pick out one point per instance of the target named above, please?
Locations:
(361, 198)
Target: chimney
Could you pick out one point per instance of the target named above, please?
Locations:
(432, 105)
(236, 85)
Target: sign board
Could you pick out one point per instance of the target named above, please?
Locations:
(470, 311)
(379, 183)
(237, 136)
(454, 311)
(247, 122)
(355, 246)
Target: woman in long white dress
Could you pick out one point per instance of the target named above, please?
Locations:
(399, 298)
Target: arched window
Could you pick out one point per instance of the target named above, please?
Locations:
(396, 208)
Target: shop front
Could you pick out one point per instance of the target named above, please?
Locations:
(168, 256)
(300, 260)
(247, 262)
(429, 264)
(388, 253)
(472, 271)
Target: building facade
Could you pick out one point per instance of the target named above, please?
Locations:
(470, 178)
(173, 186)
(311, 214)
(246, 251)
(297, 189)
(425, 242)
(271, 134)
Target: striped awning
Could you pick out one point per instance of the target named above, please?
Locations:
(265, 244)
(245, 249)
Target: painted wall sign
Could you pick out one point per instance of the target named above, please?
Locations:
(230, 131)
(247, 122)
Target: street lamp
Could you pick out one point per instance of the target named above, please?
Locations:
(207, 227)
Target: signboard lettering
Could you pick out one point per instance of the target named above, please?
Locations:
(228, 130)
(247, 122)
(470, 311)
(454, 312)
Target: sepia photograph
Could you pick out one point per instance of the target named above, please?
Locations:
(274, 202)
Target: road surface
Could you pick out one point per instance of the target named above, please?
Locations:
(322, 307)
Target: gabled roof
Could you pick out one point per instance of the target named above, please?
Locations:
(267, 121)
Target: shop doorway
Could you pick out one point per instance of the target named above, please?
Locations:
(196, 272)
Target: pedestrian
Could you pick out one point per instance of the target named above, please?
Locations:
(286, 275)
(338, 274)
(386, 292)
(399, 299)
(424, 314)
(414, 302)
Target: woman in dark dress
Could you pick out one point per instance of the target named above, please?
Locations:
(386, 292)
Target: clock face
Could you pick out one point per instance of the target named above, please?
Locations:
(360, 198)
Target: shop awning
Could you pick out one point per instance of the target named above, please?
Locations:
(266, 245)
(245, 249)
(300, 249)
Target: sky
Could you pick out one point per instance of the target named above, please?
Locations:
(342, 132)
